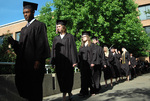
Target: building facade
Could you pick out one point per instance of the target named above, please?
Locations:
(143, 7)
(13, 28)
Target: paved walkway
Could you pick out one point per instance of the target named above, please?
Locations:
(134, 90)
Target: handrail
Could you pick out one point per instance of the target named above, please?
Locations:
(47, 66)
(7, 63)
(13, 63)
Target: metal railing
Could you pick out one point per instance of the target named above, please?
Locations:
(47, 66)
(7, 63)
(13, 63)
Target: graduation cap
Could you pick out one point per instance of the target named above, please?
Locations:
(94, 38)
(62, 22)
(30, 5)
(86, 33)
(112, 47)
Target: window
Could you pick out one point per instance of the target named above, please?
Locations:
(1, 39)
(147, 29)
(17, 36)
(143, 10)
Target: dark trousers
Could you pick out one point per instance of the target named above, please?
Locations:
(85, 80)
(133, 72)
(96, 76)
(29, 85)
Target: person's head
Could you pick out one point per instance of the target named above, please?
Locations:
(113, 49)
(131, 54)
(123, 49)
(29, 10)
(105, 48)
(94, 40)
(85, 38)
(61, 26)
(106, 51)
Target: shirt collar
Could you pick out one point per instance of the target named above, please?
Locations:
(30, 22)
(86, 43)
(62, 36)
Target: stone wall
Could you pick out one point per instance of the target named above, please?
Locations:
(8, 91)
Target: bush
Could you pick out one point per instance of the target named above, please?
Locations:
(6, 55)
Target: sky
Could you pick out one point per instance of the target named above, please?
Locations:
(12, 10)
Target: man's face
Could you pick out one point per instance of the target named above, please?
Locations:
(130, 54)
(28, 14)
(59, 28)
(94, 41)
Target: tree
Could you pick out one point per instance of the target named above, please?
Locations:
(114, 22)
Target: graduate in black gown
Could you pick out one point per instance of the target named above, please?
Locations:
(99, 63)
(116, 66)
(125, 63)
(64, 57)
(133, 66)
(119, 56)
(85, 64)
(32, 50)
(109, 72)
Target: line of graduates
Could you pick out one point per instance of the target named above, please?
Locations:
(32, 49)
(91, 59)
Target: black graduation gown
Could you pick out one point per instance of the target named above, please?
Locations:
(85, 60)
(116, 65)
(133, 63)
(32, 46)
(138, 67)
(125, 66)
(109, 70)
(119, 63)
(99, 62)
(63, 56)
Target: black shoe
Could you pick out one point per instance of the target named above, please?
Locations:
(82, 95)
(70, 97)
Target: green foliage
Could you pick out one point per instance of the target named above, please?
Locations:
(114, 22)
(46, 16)
(6, 55)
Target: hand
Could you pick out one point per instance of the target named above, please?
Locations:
(92, 65)
(74, 65)
(105, 66)
(129, 63)
(36, 65)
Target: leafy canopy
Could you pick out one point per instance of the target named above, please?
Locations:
(114, 22)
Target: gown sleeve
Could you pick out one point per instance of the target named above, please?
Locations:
(74, 56)
(42, 49)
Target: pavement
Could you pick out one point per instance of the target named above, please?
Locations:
(137, 89)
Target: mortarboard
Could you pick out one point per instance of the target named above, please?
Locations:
(86, 33)
(94, 37)
(112, 47)
(29, 5)
(62, 22)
